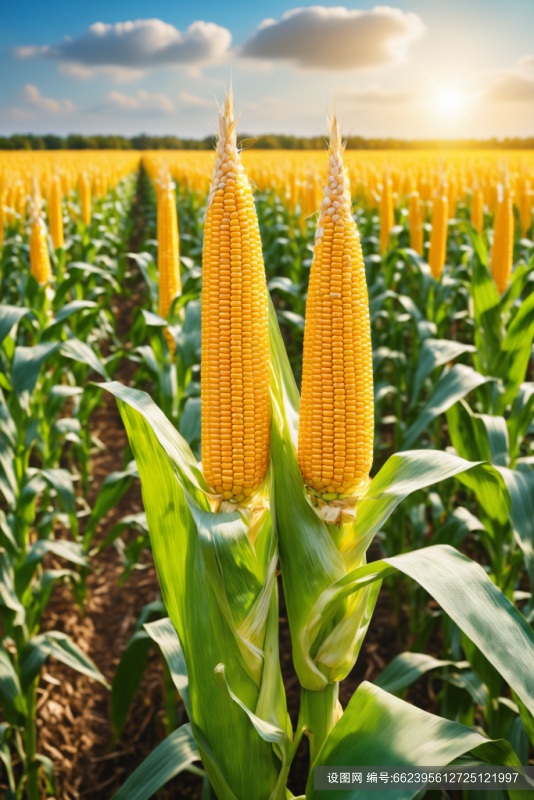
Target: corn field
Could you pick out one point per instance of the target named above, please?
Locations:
(323, 363)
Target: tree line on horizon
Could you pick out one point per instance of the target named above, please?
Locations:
(77, 141)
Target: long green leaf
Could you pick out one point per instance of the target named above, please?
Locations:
(378, 729)
(434, 353)
(175, 754)
(451, 387)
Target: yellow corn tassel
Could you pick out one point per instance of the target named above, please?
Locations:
(415, 221)
(477, 209)
(170, 284)
(55, 213)
(438, 236)
(39, 256)
(502, 253)
(85, 197)
(335, 447)
(235, 340)
(387, 215)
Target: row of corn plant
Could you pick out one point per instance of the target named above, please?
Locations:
(56, 329)
(288, 481)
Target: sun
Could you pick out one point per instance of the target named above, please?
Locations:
(450, 101)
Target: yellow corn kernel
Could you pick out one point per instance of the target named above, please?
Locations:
(335, 447)
(387, 215)
(235, 340)
(55, 213)
(503, 241)
(415, 221)
(39, 256)
(84, 186)
(477, 209)
(438, 236)
(170, 285)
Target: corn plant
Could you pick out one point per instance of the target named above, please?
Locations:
(305, 498)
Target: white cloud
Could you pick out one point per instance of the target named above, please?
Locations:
(336, 39)
(374, 95)
(514, 85)
(188, 99)
(142, 102)
(125, 49)
(32, 96)
(117, 74)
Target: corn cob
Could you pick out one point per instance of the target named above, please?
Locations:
(415, 221)
(2, 213)
(503, 240)
(438, 236)
(477, 209)
(387, 216)
(335, 447)
(85, 197)
(55, 213)
(525, 206)
(235, 341)
(39, 256)
(170, 284)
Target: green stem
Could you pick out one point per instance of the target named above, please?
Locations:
(30, 742)
(319, 715)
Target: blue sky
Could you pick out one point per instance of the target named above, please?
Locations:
(426, 68)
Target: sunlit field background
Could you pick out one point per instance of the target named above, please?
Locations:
(387, 624)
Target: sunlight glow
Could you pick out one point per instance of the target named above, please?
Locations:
(450, 101)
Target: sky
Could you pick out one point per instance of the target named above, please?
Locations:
(420, 69)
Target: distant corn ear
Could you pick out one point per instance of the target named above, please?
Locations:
(387, 215)
(477, 209)
(438, 236)
(55, 213)
(170, 285)
(235, 340)
(2, 214)
(39, 256)
(335, 448)
(415, 221)
(85, 197)
(525, 206)
(503, 241)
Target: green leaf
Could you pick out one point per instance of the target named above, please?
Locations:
(127, 678)
(5, 758)
(71, 551)
(9, 316)
(521, 488)
(11, 698)
(407, 667)
(378, 729)
(61, 481)
(71, 308)
(520, 417)
(451, 387)
(511, 363)
(190, 421)
(192, 550)
(62, 648)
(468, 596)
(434, 353)
(27, 364)
(173, 755)
(82, 352)
(189, 340)
(164, 634)
(115, 486)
